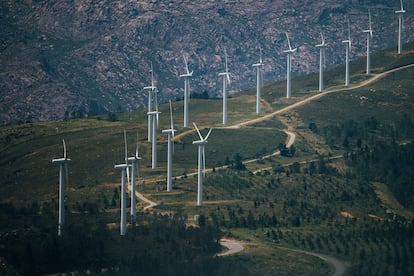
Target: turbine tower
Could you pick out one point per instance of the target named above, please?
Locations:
(170, 132)
(186, 77)
(201, 163)
(321, 47)
(226, 80)
(133, 160)
(124, 169)
(289, 52)
(369, 36)
(259, 81)
(63, 179)
(152, 90)
(400, 24)
(347, 43)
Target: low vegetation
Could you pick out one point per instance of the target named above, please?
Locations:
(344, 189)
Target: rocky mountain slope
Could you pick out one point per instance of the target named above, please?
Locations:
(78, 57)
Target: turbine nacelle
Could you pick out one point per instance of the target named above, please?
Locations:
(322, 44)
(190, 74)
(402, 8)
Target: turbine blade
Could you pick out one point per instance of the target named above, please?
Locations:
(369, 19)
(402, 8)
(128, 178)
(126, 147)
(137, 149)
(188, 90)
(171, 117)
(225, 57)
(173, 143)
(261, 77)
(152, 75)
(208, 134)
(198, 131)
(67, 173)
(64, 149)
(287, 36)
(186, 65)
(260, 58)
(204, 160)
(323, 39)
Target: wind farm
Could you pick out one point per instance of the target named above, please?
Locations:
(315, 179)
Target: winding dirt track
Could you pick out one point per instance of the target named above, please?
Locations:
(236, 246)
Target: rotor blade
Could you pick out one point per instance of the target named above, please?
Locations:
(171, 117)
(67, 173)
(260, 59)
(126, 147)
(173, 143)
(198, 131)
(136, 149)
(369, 18)
(186, 65)
(349, 30)
(261, 77)
(204, 160)
(225, 57)
(152, 75)
(64, 149)
(287, 36)
(323, 39)
(208, 134)
(188, 90)
(402, 8)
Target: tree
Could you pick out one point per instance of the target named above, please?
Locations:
(238, 163)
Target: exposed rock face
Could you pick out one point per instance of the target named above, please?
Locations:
(89, 56)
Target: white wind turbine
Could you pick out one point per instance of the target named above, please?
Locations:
(289, 52)
(259, 80)
(369, 36)
(186, 77)
(400, 24)
(347, 43)
(321, 47)
(134, 163)
(226, 80)
(63, 179)
(170, 132)
(201, 163)
(152, 90)
(124, 169)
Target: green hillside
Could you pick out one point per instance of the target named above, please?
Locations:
(346, 191)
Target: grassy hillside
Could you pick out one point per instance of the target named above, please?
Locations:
(309, 201)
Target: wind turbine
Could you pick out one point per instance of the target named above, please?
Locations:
(186, 77)
(134, 162)
(226, 80)
(201, 163)
(347, 43)
(259, 81)
(288, 65)
(152, 90)
(321, 47)
(170, 132)
(369, 36)
(400, 24)
(63, 179)
(124, 169)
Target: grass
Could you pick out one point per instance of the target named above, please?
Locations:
(307, 206)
